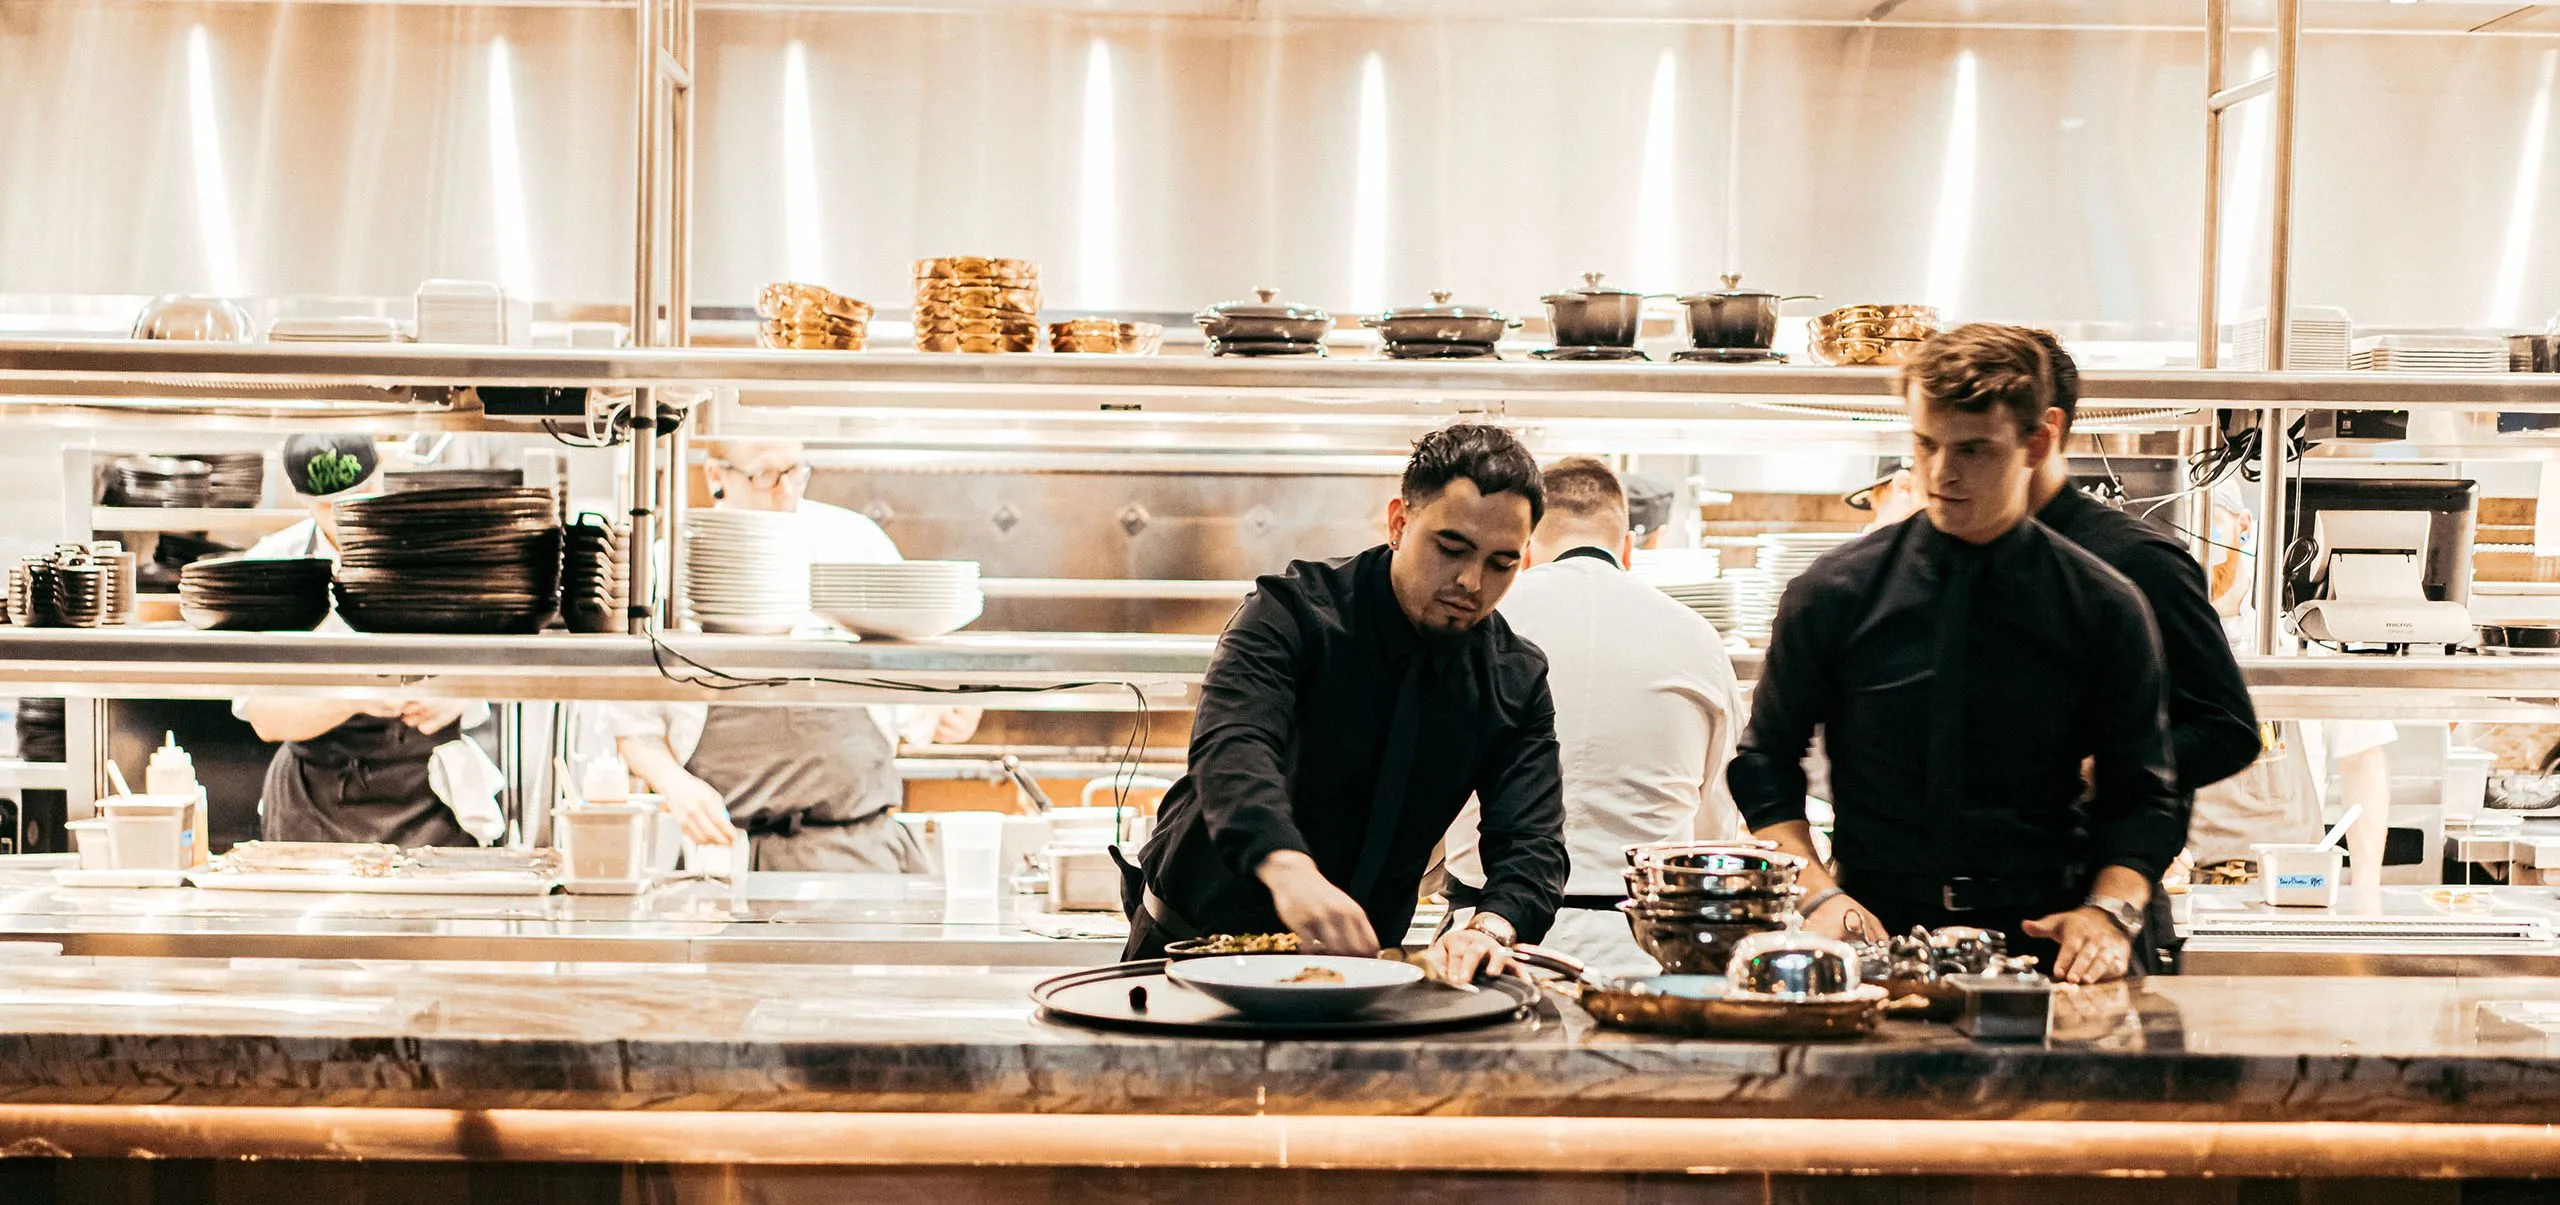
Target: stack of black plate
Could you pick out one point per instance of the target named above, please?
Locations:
(41, 735)
(239, 478)
(412, 481)
(161, 481)
(595, 576)
(479, 562)
(233, 594)
(1264, 347)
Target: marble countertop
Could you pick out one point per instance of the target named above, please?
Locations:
(950, 1039)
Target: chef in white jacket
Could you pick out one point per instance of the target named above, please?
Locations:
(1646, 713)
(815, 788)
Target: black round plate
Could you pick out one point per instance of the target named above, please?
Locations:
(1101, 998)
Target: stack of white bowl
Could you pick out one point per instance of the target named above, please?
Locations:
(746, 571)
(903, 600)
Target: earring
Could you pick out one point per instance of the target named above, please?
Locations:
(718, 493)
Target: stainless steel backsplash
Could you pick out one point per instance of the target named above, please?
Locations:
(353, 145)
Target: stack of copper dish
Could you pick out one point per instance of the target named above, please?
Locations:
(1105, 337)
(1691, 903)
(970, 303)
(1871, 334)
(800, 317)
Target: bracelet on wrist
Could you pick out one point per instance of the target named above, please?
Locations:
(1815, 902)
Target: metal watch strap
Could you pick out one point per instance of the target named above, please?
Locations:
(2123, 913)
(1505, 934)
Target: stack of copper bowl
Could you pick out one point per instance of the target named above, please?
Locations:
(1105, 337)
(1871, 334)
(808, 318)
(970, 303)
(1691, 903)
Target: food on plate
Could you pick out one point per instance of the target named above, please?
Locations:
(1249, 943)
(1316, 975)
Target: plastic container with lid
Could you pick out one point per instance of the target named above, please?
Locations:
(2301, 876)
(148, 830)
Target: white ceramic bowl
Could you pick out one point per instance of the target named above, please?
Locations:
(904, 623)
(1258, 986)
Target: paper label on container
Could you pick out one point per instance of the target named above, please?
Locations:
(2312, 882)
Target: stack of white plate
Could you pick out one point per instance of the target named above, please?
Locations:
(336, 330)
(1785, 554)
(904, 600)
(2315, 341)
(746, 571)
(1739, 604)
(1677, 566)
(2430, 353)
(472, 311)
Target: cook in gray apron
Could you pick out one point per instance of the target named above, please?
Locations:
(816, 788)
(364, 780)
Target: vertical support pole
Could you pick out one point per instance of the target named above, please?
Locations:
(644, 250)
(644, 505)
(2273, 442)
(680, 183)
(2217, 31)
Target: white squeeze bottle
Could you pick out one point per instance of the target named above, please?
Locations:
(173, 773)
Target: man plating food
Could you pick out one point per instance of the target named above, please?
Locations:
(1962, 664)
(1351, 708)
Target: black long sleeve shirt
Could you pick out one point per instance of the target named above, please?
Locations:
(1292, 730)
(2063, 664)
(2213, 727)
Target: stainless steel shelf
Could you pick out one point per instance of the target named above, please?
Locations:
(100, 372)
(1019, 671)
(1069, 671)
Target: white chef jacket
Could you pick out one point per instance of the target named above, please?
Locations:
(1646, 711)
(836, 536)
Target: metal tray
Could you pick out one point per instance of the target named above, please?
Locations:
(1694, 1006)
(1100, 998)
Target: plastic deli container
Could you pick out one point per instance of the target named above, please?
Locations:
(2466, 781)
(149, 831)
(608, 842)
(2301, 876)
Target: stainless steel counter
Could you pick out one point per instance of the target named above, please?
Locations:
(2396, 931)
(769, 918)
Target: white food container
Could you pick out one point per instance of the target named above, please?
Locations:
(95, 842)
(2466, 781)
(148, 830)
(608, 842)
(1083, 878)
(2301, 876)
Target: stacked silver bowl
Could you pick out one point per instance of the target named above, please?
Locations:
(1691, 904)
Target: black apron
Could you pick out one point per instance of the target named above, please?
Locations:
(364, 780)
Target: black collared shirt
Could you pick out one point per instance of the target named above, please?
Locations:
(2060, 663)
(2213, 727)
(1292, 730)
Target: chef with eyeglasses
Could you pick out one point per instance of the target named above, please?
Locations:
(815, 788)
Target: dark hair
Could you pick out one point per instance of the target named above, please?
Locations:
(1984, 366)
(1583, 487)
(1489, 456)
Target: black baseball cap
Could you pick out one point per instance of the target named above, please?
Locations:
(1649, 498)
(322, 466)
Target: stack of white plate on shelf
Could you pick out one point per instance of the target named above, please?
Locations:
(2430, 353)
(336, 330)
(472, 311)
(746, 572)
(1784, 554)
(2315, 341)
(903, 600)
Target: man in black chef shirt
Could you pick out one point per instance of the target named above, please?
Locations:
(2213, 727)
(1962, 664)
(1351, 708)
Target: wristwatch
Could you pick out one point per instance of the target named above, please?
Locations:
(2126, 916)
(1495, 927)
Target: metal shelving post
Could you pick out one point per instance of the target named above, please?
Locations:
(2272, 420)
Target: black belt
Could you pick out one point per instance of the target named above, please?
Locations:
(790, 825)
(1976, 893)
(1462, 896)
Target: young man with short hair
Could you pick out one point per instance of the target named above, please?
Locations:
(1962, 665)
(1351, 708)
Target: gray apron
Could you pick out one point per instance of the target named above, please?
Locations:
(816, 788)
(364, 780)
